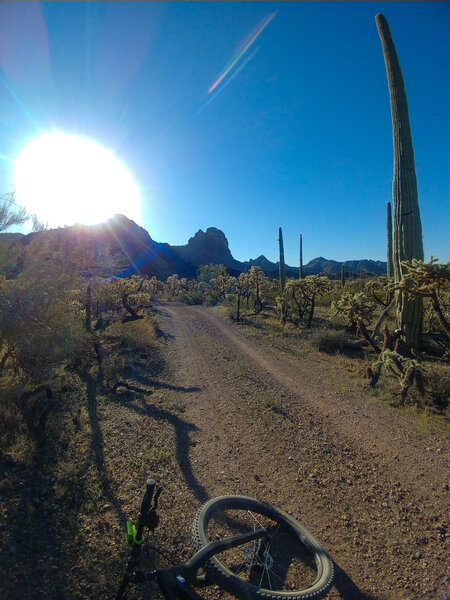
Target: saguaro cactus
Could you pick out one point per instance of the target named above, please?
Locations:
(300, 273)
(406, 228)
(282, 265)
(390, 265)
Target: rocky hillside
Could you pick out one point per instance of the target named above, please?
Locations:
(209, 247)
(120, 247)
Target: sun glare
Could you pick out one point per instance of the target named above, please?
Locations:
(66, 179)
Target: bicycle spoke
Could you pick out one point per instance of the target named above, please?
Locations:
(240, 569)
(255, 519)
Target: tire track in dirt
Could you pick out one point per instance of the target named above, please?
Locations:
(268, 427)
(381, 431)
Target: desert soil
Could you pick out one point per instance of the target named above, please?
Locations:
(371, 483)
(227, 413)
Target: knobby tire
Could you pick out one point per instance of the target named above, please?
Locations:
(291, 564)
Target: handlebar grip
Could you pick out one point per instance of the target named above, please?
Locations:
(147, 499)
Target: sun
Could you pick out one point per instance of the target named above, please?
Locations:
(66, 179)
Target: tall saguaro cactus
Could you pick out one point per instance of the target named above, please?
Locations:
(300, 273)
(390, 265)
(282, 265)
(406, 227)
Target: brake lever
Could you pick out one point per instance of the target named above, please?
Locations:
(150, 518)
(156, 498)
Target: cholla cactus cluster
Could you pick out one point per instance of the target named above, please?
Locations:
(407, 371)
(355, 307)
(302, 294)
(427, 280)
(425, 276)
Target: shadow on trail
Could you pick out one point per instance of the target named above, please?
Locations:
(347, 589)
(36, 524)
(163, 334)
(161, 385)
(97, 441)
(182, 430)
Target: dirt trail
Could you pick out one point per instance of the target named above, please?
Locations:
(371, 485)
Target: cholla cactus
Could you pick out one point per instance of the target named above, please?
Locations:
(407, 371)
(219, 284)
(303, 292)
(296, 294)
(424, 280)
(257, 281)
(379, 290)
(240, 287)
(353, 307)
(358, 311)
(173, 284)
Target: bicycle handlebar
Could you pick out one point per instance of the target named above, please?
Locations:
(147, 499)
(173, 582)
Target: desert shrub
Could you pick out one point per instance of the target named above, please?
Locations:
(114, 366)
(107, 295)
(211, 299)
(10, 213)
(327, 340)
(139, 335)
(192, 297)
(40, 320)
(438, 390)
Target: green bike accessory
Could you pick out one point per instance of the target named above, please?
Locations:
(131, 535)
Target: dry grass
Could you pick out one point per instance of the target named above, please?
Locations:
(140, 334)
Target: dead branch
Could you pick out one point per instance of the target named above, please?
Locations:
(384, 314)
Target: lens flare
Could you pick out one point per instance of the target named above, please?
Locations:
(251, 39)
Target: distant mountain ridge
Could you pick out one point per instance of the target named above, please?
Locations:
(120, 247)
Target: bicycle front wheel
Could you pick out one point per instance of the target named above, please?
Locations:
(287, 563)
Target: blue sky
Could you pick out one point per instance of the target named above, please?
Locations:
(297, 132)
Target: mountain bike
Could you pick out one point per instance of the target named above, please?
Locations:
(244, 546)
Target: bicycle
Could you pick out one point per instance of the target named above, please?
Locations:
(247, 547)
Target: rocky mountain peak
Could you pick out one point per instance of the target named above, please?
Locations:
(210, 246)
